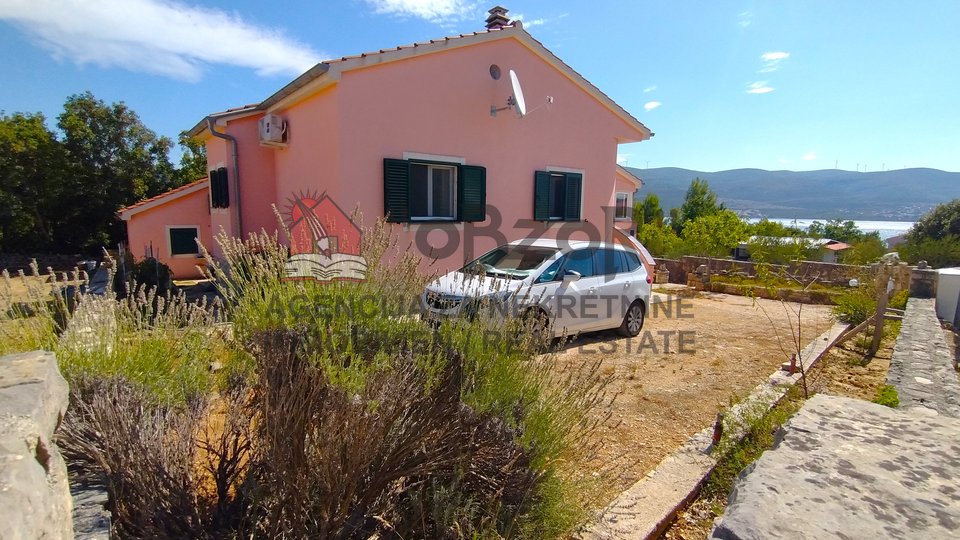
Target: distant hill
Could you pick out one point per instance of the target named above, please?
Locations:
(900, 195)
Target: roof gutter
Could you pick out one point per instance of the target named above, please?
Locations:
(238, 219)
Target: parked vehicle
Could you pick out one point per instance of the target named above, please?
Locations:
(568, 287)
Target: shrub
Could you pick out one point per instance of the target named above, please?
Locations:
(887, 396)
(334, 417)
(899, 300)
(855, 307)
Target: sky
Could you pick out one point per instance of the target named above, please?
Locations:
(857, 85)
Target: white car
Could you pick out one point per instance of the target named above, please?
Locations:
(569, 286)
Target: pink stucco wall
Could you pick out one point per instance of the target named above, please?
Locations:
(148, 230)
(439, 104)
(435, 104)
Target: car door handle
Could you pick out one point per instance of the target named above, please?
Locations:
(592, 290)
(626, 285)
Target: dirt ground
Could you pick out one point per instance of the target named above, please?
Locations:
(692, 358)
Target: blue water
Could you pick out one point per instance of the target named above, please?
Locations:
(885, 228)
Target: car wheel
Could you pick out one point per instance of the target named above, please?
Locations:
(633, 320)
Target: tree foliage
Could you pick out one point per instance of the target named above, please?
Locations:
(942, 221)
(715, 234)
(699, 201)
(836, 229)
(935, 237)
(652, 212)
(62, 193)
(765, 227)
(661, 241)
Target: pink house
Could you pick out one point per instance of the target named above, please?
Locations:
(429, 135)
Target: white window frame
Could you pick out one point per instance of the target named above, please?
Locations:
(196, 255)
(626, 207)
(430, 180)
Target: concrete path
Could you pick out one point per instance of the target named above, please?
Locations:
(921, 368)
(846, 468)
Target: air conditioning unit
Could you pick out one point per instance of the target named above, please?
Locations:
(273, 130)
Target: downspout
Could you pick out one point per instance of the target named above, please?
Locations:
(236, 173)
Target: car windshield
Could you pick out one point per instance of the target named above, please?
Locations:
(510, 261)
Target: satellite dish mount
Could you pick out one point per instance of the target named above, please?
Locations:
(515, 100)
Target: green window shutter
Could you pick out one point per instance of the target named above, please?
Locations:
(214, 189)
(572, 204)
(541, 196)
(396, 190)
(472, 193)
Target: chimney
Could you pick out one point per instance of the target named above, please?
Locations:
(498, 18)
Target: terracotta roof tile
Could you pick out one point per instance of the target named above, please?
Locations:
(162, 195)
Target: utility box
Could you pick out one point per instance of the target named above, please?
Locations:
(948, 290)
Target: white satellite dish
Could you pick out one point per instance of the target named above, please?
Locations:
(517, 96)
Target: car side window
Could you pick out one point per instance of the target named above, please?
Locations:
(605, 262)
(551, 272)
(620, 261)
(633, 262)
(580, 261)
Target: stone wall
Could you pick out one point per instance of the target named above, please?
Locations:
(34, 492)
(804, 270)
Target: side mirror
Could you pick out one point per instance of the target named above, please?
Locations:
(569, 276)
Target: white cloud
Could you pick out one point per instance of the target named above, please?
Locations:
(810, 156)
(759, 87)
(156, 36)
(527, 23)
(651, 105)
(745, 19)
(771, 61)
(649, 89)
(438, 11)
(623, 159)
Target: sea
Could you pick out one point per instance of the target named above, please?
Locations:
(887, 229)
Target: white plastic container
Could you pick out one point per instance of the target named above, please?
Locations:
(948, 289)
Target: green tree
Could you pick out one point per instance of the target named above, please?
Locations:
(32, 164)
(637, 214)
(765, 227)
(836, 229)
(867, 250)
(715, 234)
(652, 212)
(935, 237)
(113, 160)
(661, 241)
(193, 162)
(700, 201)
(942, 221)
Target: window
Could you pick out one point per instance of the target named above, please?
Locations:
(633, 262)
(623, 206)
(512, 261)
(550, 274)
(557, 196)
(432, 190)
(416, 190)
(183, 241)
(606, 261)
(580, 261)
(620, 263)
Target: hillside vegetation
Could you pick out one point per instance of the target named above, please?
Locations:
(898, 195)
